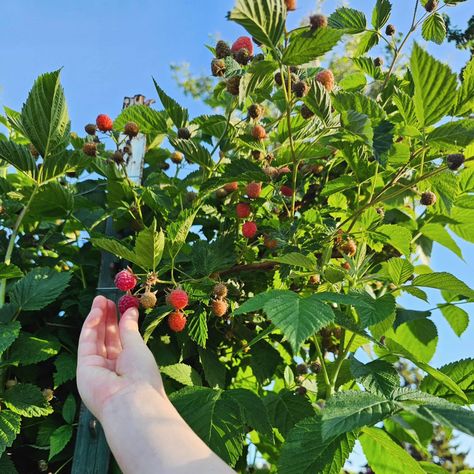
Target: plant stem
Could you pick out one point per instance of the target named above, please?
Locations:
(340, 359)
(11, 243)
(323, 364)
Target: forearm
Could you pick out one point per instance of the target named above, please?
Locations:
(155, 439)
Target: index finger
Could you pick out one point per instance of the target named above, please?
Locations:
(89, 339)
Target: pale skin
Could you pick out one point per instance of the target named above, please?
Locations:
(119, 381)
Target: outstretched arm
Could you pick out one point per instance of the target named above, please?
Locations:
(120, 383)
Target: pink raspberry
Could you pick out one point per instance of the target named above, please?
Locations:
(126, 302)
(125, 280)
(243, 42)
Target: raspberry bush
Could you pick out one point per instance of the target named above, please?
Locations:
(269, 263)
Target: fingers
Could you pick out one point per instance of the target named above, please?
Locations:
(112, 335)
(90, 342)
(128, 326)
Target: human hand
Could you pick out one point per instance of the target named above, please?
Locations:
(113, 359)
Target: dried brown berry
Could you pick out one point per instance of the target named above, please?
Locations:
(184, 133)
(222, 50)
(233, 85)
(271, 172)
(259, 133)
(315, 367)
(270, 243)
(314, 280)
(177, 157)
(148, 300)
(301, 390)
(255, 111)
(306, 112)
(90, 149)
(131, 129)
(390, 30)
(301, 369)
(117, 157)
(378, 62)
(349, 248)
(318, 21)
(258, 155)
(221, 193)
(242, 56)
(218, 67)
(455, 161)
(300, 89)
(428, 198)
(33, 150)
(220, 290)
(90, 128)
(326, 78)
(278, 79)
(431, 5)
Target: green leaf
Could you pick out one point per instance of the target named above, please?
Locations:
(306, 46)
(340, 183)
(377, 309)
(286, 408)
(367, 41)
(194, 152)
(59, 440)
(465, 97)
(148, 120)
(397, 236)
(114, 247)
(430, 468)
(44, 116)
(378, 376)
(400, 351)
(149, 248)
(26, 400)
(398, 269)
(9, 427)
(182, 373)
(179, 115)
(69, 409)
(353, 81)
(443, 281)
(384, 455)
(296, 259)
(435, 87)
(434, 28)
(52, 200)
(38, 288)
(457, 318)
(65, 365)
(359, 125)
(298, 318)
(347, 19)
(439, 411)
(197, 329)
(381, 13)
(263, 19)
(19, 157)
(306, 451)
(8, 334)
(461, 372)
(318, 101)
(347, 411)
(29, 349)
(438, 233)
(459, 133)
(6, 465)
(178, 232)
(360, 103)
(10, 271)
(214, 369)
(253, 410)
(264, 361)
(214, 418)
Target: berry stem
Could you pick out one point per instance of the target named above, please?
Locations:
(11, 243)
(323, 364)
(340, 359)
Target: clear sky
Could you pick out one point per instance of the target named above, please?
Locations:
(112, 48)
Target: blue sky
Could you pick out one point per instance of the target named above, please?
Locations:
(112, 48)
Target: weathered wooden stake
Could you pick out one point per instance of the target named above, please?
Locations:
(92, 454)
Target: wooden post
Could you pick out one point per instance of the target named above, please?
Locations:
(91, 453)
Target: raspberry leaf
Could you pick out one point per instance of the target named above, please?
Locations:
(149, 248)
(59, 440)
(434, 28)
(9, 427)
(348, 19)
(8, 333)
(26, 400)
(179, 115)
(381, 13)
(19, 157)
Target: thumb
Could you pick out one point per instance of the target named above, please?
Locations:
(128, 327)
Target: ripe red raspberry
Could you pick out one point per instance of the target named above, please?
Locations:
(125, 280)
(177, 298)
(259, 133)
(326, 78)
(242, 210)
(249, 229)
(104, 123)
(126, 302)
(231, 187)
(286, 191)
(219, 307)
(176, 321)
(243, 42)
(148, 300)
(253, 190)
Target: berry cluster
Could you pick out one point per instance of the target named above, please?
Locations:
(178, 300)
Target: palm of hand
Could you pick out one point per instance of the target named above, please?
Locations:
(112, 356)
